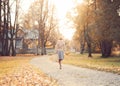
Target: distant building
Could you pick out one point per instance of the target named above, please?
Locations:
(19, 39)
(27, 41)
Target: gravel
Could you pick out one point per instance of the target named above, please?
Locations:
(75, 76)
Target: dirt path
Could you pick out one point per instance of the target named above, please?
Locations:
(75, 76)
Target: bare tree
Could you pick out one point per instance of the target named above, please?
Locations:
(7, 31)
(42, 12)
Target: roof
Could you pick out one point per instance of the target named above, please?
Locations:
(31, 34)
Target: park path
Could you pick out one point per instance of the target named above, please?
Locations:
(75, 76)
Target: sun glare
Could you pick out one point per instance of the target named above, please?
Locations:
(25, 4)
(62, 8)
(67, 33)
(80, 1)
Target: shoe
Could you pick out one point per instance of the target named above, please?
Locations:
(60, 67)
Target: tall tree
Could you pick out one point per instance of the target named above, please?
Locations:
(99, 20)
(5, 20)
(42, 13)
(83, 22)
(14, 29)
(107, 24)
(7, 32)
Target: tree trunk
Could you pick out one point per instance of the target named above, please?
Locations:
(0, 19)
(5, 32)
(43, 49)
(82, 43)
(42, 42)
(89, 49)
(88, 40)
(106, 48)
(0, 28)
(82, 48)
(38, 46)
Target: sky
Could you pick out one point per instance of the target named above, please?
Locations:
(62, 7)
(65, 28)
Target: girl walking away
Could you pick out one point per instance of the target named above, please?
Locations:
(60, 47)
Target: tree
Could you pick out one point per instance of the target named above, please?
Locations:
(83, 22)
(99, 21)
(14, 30)
(42, 13)
(7, 31)
(107, 24)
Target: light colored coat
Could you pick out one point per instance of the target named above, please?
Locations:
(60, 45)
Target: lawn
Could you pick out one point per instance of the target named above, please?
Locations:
(16, 70)
(111, 64)
(8, 64)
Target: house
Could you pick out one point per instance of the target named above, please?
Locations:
(27, 41)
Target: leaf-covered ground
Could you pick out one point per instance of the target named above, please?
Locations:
(16, 71)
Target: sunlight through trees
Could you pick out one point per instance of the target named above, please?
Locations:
(94, 24)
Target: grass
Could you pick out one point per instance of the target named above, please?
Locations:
(111, 64)
(8, 64)
(20, 65)
(14, 65)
